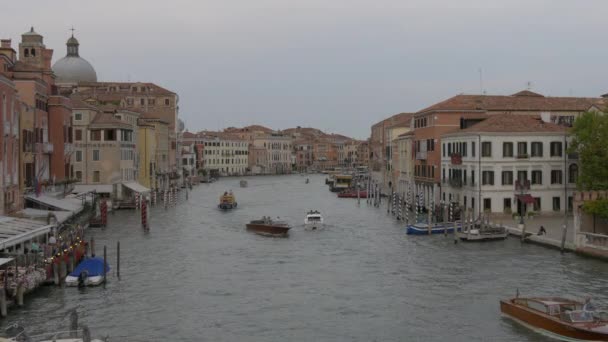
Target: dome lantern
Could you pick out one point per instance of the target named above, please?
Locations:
(72, 68)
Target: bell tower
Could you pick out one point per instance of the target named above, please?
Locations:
(32, 49)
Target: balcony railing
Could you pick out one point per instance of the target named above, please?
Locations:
(523, 156)
(421, 155)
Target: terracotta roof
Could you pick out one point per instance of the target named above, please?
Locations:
(77, 103)
(508, 123)
(522, 101)
(527, 93)
(107, 119)
(124, 87)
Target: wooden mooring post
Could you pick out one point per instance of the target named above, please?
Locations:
(118, 259)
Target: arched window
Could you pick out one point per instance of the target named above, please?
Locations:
(26, 52)
(572, 173)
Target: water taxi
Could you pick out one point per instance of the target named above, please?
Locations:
(341, 183)
(560, 318)
(227, 201)
(352, 193)
(88, 273)
(313, 220)
(267, 226)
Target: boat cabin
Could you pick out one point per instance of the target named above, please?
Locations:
(564, 309)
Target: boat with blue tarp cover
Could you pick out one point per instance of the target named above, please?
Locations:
(422, 228)
(88, 273)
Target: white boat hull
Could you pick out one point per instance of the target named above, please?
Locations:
(313, 226)
(90, 281)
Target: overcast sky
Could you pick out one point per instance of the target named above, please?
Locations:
(338, 65)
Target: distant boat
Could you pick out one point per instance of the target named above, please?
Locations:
(227, 201)
(267, 226)
(351, 193)
(307, 180)
(560, 318)
(243, 183)
(88, 273)
(313, 220)
(436, 228)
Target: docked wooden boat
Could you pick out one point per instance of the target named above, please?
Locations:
(227, 201)
(267, 226)
(435, 228)
(313, 220)
(351, 193)
(481, 232)
(88, 273)
(560, 318)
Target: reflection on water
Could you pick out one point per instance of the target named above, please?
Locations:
(199, 275)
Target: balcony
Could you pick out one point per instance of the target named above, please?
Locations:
(421, 155)
(456, 159)
(523, 156)
(47, 147)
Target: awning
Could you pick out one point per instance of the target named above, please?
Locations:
(39, 214)
(17, 230)
(73, 205)
(100, 188)
(527, 198)
(4, 261)
(136, 187)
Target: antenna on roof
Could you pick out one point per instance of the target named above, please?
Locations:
(529, 85)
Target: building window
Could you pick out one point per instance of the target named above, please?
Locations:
(79, 175)
(78, 156)
(78, 116)
(96, 135)
(536, 203)
(570, 203)
(487, 178)
(507, 205)
(110, 135)
(556, 149)
(572, 173)
(486, 149)
(537, 177)
(522, 149)
(507, 178)
(95, 155)
(78, 135)
(487, 204)
(556, 204)
(556, 176)
(443, 149)
(472, 148)
(151, 102)
(167, 102)
(96, 176)
(142, 101)
(537, 149)
(507, 149)
(522, 176)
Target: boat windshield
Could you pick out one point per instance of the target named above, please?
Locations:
(578, 316)
(314, 218)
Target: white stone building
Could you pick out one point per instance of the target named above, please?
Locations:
(226, 157)
(482, 164)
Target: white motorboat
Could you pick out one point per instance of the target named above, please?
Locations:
(314, 220)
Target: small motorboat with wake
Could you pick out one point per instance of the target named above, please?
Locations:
(88, 273)
(227, 201)
(313, 220)
(269, 227)
(243, 183)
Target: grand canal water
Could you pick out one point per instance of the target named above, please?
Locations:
(198, 275)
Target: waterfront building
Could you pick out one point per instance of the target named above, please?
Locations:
(463, 111)
(482, 164)
(189, 161)
(225, 156)
(258, 160)
(363, 153)
(10, 114)
(146, 151)
(161, 169)
(279, 150)
(380, 148)
(324, 154)
(404, 162)
(303, 154)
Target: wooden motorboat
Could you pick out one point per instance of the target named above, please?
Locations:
(482, 232)
(313, 220)
(560, 318)
(227, 201)
(267, 226)
(435, 228)
(352, 194)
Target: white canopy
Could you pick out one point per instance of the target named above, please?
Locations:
(136, 187)
(17, 230)
(73, 205)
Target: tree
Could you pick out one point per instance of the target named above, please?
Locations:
(590, 141)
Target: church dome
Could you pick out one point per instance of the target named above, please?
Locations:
(72, 68)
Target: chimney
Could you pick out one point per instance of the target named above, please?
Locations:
(5, 43)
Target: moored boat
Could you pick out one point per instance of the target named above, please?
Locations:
(88, 273)
(436, 228)
(313, 220)
(227, 201)
(560, 318)
(352, 194)
(267, 226)
(482, 232)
